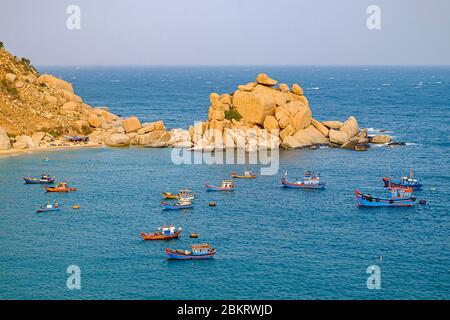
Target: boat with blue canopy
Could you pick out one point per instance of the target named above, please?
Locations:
(406, 181)
(198, 252)
(397, 197)
(310, 181)
(44, 179)
(49, 208)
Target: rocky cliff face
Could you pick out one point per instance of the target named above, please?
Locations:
(37, 110)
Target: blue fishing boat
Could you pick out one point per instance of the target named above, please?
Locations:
(198, 252)
(397, 197)
(225, 185)
(49, 208)
(76, 138)
(44, 179)
(404, 182)
(310, 181)
(182, 203)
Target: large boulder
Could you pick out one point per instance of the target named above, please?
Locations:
(338, 137)
(25, 140)
(319, 126)
(271, 124)
(265, 80)
(94, 120)
(301, 119)
(11, 77)
(247, 87)
(252, 106)
(350, 127)
(131, 124)
(53, 82)
(70, 106)
(118, 140)
(51, 100)
(5, 143)
(305, 138)
(297, 89)
(333, 124)
(381, 139)
(37, 137)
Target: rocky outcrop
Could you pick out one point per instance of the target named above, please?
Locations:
(5, 143)
(131, 124)
(381, 139)
(118, 140)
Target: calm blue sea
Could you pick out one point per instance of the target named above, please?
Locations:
(272, 243)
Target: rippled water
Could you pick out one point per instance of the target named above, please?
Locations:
(272, 243)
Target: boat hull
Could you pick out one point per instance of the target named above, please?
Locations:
(49, 189)
(237, 176)
(369, 201)
(215, 188)
(174, 255)
(388, 182)
(38, 181)
(153, 236)
(47, 210)
(168, 206)
(287, 184)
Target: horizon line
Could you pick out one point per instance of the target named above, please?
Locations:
(242, 65)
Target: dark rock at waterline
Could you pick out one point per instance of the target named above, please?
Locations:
(361, 147)
(396, 143)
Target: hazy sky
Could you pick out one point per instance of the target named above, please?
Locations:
(227, 32)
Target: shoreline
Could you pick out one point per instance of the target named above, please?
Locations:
(19, 152)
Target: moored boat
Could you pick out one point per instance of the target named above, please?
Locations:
(225, 185)
(49, 207)
(397, 197)
(408, 181)
(61, 187)
(198, 252)
(310, 181)
(245, 175)
(164, 233)
(44, 179)
(184, 193)
(182, 203)
(169, 195)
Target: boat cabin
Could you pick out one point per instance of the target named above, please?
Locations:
(199, 249)
(227, 184)
(399, 192)
(311, 178)
(186, 193)
(184, 201)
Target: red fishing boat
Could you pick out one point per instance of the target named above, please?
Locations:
(164, 233)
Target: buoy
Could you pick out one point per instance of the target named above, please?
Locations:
(193, 235)
(76, 206)
(212, 204)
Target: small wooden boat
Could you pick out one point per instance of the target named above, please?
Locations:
(44, 179)
(184, 193)
(246, 175)
(193, 235)
(182, 203)
(164, 233)
(408, 181)
(397, 197)
(212, 203)
(226, 185)
(61, 187)
(198, 252)
(76, 206)
(310, 181)
(49, 208)
(168, 195)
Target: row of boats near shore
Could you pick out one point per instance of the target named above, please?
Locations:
(400, 194)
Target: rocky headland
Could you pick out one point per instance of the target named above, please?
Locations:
(37, 111)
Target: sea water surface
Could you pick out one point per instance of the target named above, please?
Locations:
(272, 243)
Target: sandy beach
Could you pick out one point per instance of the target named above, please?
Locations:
(17, 152)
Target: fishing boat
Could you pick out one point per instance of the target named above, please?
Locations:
(44, 179)
(397, 197)
(246, 175)
(408, 181)
(163, 233)
(310, 181)
(198, 252)
(76, 138)
(61, 187)
(184, 193)
(182, 203)
(225, 185)
(49, 207)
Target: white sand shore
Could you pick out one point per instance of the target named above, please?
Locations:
(16, 152)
